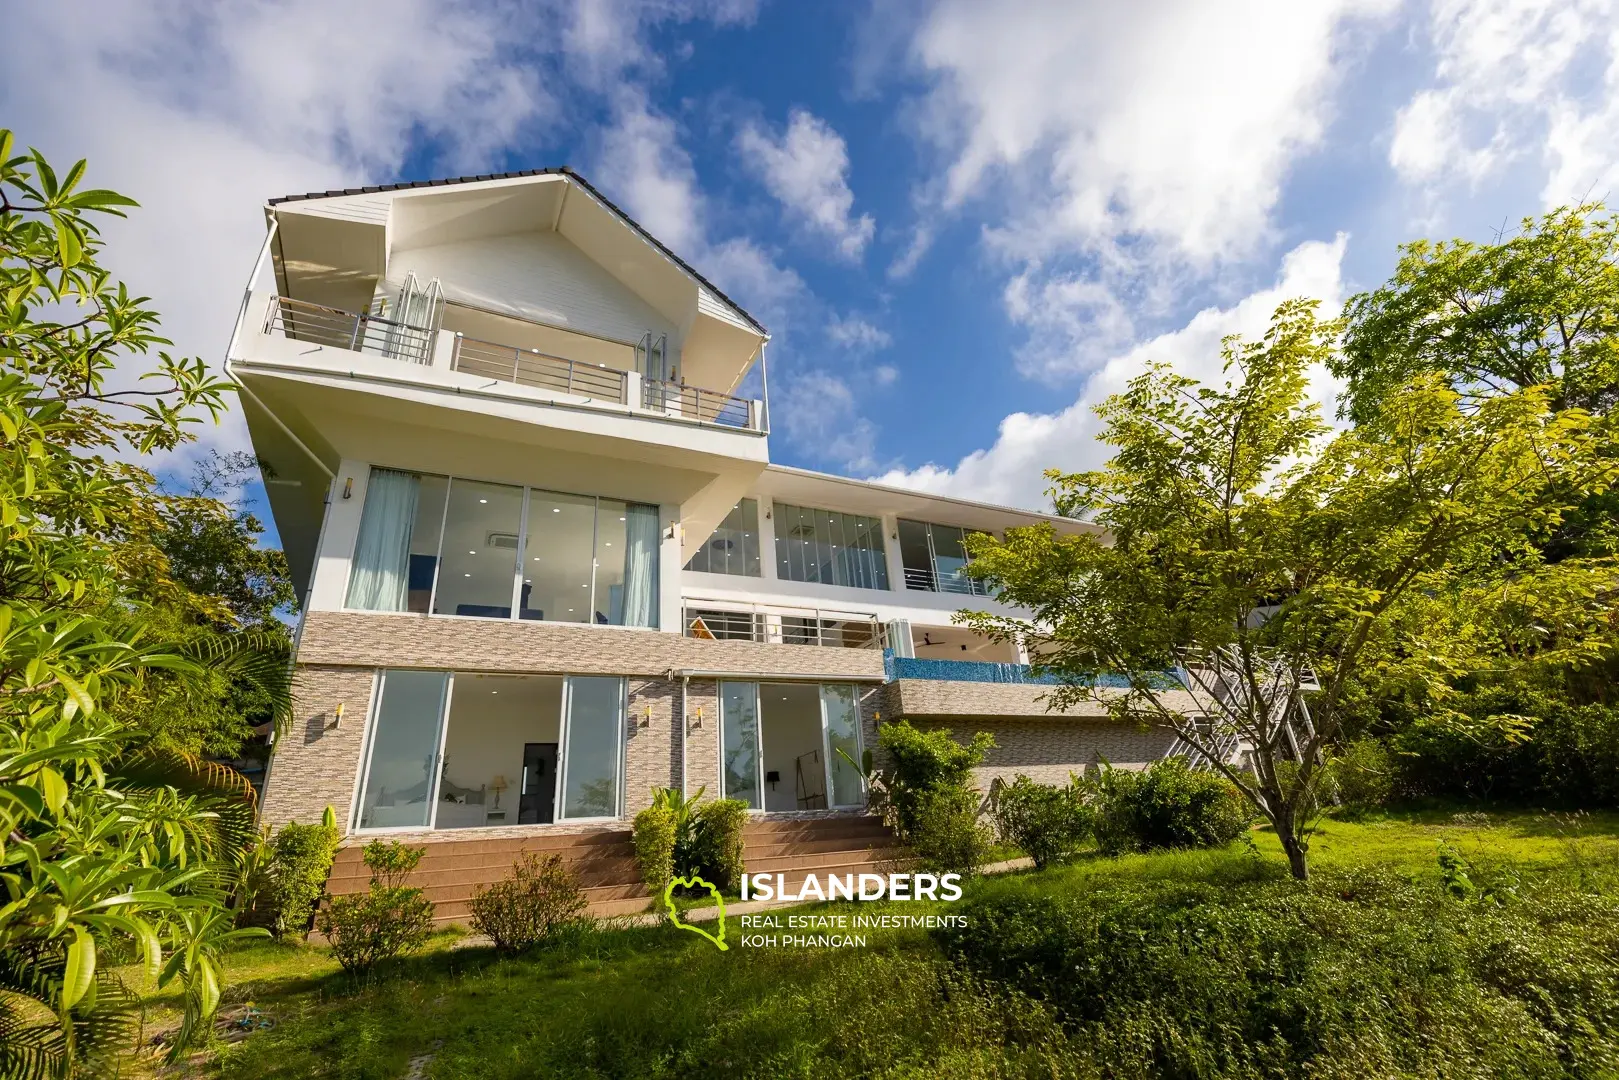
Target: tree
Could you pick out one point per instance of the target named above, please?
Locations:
(1253, 559)
(108, 843)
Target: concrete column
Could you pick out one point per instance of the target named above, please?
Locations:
(767, 539)
(342, 529)
(896, 565)
(670, 568)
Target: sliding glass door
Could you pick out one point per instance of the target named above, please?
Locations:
(592, 747)
(739, 742)
(401, 773)
(840, 724)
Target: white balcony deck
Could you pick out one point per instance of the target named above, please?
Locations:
(376, 349)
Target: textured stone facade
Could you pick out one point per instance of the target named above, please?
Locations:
(920, 699)
(423, 641)
(317, 761)
(1049, 750)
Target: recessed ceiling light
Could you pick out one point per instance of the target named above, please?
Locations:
(472, 553)
(570, 609)
(494, 691)
(609, 543)
(466, 575)
(483, 500)
(556, 509)
(621, 519)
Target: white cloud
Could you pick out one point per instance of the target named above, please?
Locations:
(857, 334)
(819, 411)
(1173, 121)
(806, 168)
(1011, 471)
(1515, 80)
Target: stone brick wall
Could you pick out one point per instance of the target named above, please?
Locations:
(919, 699)
(315, 763)
(651, 743)
(1049, 750)
(421, 641)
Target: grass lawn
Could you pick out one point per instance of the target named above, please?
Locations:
(655, 1001)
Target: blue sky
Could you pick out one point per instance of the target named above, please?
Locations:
(965, 222)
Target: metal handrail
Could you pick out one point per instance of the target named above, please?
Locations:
(695, 403)
(724, 620)
(927, 579)
(355, 331)
(530, 367)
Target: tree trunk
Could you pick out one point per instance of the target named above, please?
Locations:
(1297, 860)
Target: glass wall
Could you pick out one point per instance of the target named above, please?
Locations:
(734, 547)
(829, 548)
(739, 719)
(558, 555)
(841, 710)
(591, 744)
(396, 554)
(935, 559)
(479, 552)
(464, 547)
(401, 767)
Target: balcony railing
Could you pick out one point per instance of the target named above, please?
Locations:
(339, 329)
(722, 621)
(922, 579)
(695, 403)
(530, 367)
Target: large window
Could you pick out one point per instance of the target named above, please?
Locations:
(734, 547)
(935, 560)
(470, 750)
(829, 548)
(464, 547)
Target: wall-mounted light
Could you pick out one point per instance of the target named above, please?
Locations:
(337, 717)
(348, 487)
(767, 515)
(697, 721)
(646, 717)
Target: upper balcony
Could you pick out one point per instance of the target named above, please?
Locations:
(571, 375)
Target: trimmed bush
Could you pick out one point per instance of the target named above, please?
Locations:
(285, 879)
(389, 919)
(1045, 822)
(538, 901)
(717, 842)
(1167, 805)
(654, 838)
(925, 793)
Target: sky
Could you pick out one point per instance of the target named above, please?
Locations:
(964, 222)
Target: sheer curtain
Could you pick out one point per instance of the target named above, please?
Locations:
(382, 554)
(641, 536)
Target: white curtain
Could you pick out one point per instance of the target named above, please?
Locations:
(642, 538)
(382, 554)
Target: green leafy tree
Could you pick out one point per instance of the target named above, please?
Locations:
(1238, 526)
(110, 846)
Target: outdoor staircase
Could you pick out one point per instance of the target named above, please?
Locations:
(452, 870)
(798, 847)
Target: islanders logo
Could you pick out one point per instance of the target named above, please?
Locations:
(695, 882)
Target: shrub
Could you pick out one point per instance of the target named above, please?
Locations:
(1369, 975)
(540, 899)
(1361, 775)
(390, 918)
(1569, 760)
(654, 838)
(947, 835)
(1045, 822)
(1167, 805)
(284, 879)
(717, 845)
(923, 761)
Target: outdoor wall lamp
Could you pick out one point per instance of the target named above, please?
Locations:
(697, 721)
(337, 717)
(348, 487)
(646, 717)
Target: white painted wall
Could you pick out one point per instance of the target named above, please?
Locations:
(540, 276)
(330, 584)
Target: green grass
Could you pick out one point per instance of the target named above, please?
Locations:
(654, 1001)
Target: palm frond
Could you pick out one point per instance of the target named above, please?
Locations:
(260, 657)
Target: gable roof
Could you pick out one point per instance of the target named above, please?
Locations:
(555, 170)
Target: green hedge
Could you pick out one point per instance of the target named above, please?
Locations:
(300, 862)
(1167, 805)
(654, 837)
